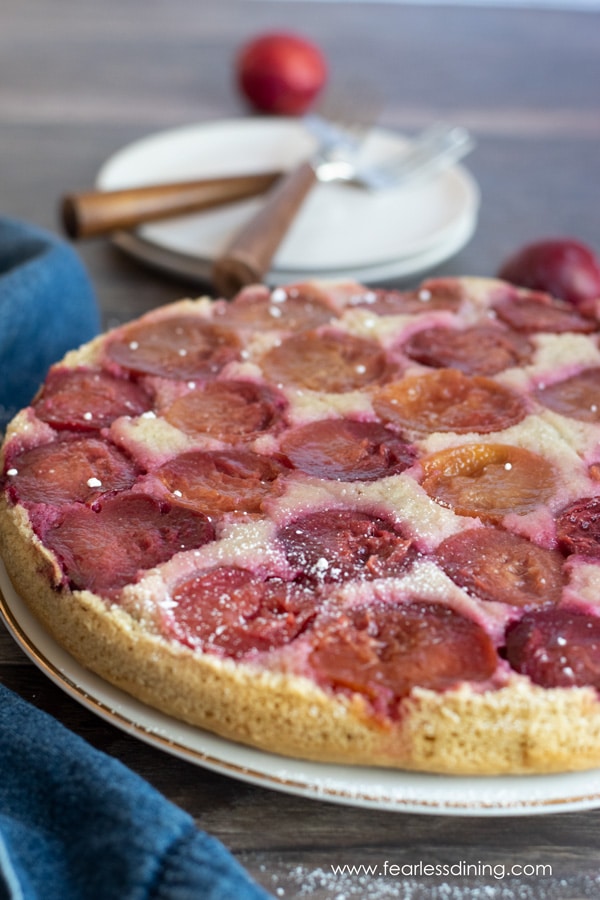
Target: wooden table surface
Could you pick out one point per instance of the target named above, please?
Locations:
(80, 80)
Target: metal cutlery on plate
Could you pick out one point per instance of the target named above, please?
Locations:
(339, 132)
(94, 213)
(248, 257)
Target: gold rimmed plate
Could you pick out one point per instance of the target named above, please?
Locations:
(383, 789)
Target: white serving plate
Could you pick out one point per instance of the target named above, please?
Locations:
(341, 231)
(359, 786)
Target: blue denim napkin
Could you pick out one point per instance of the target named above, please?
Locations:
(47, 307)
(76, 824)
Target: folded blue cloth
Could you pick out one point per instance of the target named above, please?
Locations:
(47, 307)
(76, 824)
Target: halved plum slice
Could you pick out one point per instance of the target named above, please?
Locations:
(556, 647)
(577, 397)
(446, 400)
(578, 527)
(295, 308)
(335, 545)
(104, 547)
(384, 651)
(488, 480)
(434, 294)
(479, 350)
(221, 480)
(232, 612)
(347, 450)
(496, 565)
(227, 410)
(71, 469)
(182, 347)
(331, 362)
(533, 311)
(88, 399)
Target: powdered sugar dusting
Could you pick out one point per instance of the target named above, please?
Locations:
(323, 884)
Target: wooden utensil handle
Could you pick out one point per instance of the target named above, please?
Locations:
(93, 213)
(248, 257)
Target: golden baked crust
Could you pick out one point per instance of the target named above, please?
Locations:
(518, 729)
(510, 726)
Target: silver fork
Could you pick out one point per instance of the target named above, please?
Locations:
(248, 257)
(433, 149)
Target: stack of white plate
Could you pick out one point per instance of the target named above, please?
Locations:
(342, 231)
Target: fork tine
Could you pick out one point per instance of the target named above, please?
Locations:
(437, 147)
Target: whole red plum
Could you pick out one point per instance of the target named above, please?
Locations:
(281, 73)
(563, 267)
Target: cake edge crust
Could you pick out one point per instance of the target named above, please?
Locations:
(519, 728)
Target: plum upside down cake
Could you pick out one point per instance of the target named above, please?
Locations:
(342, 524)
